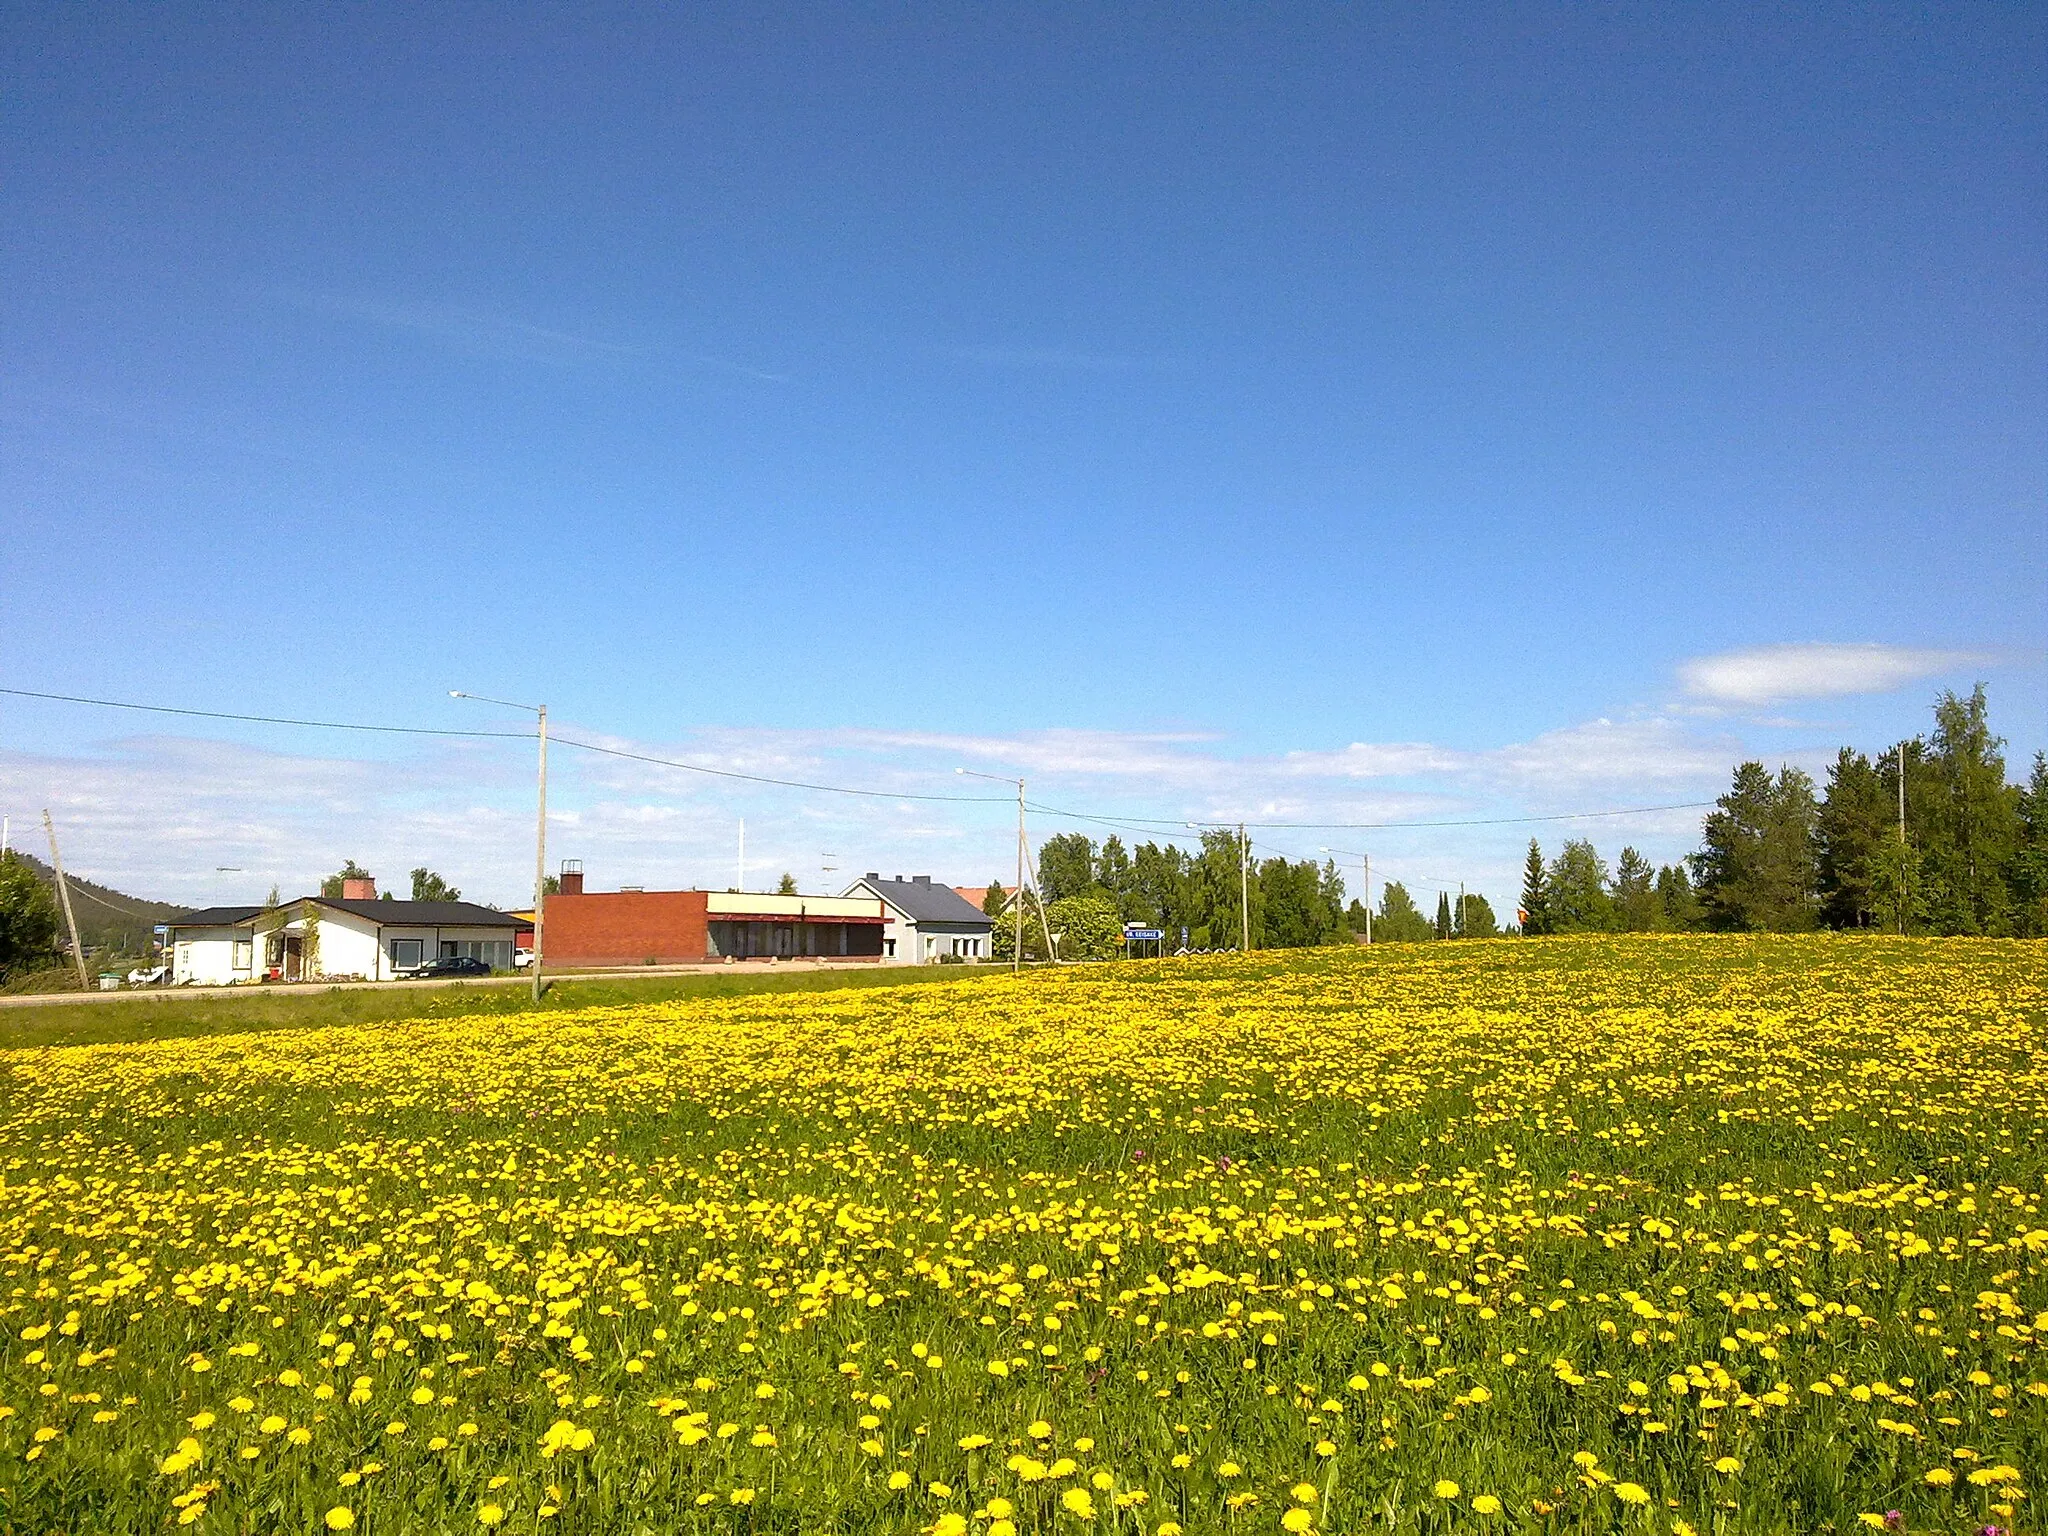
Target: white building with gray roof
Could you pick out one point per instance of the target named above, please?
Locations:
(927, 922)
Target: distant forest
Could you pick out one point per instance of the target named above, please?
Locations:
(1777, 854)
(109, 921)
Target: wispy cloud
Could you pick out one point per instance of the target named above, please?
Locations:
(482, 333)
(1599, 755)
(155, 815)
(1778, 674)
(1043, 357)
(477, 331)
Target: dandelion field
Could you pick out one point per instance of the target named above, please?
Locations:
(1659, 1235)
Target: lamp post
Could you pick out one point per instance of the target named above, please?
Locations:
(540, 830)
(1016, 949)
(1366, 860)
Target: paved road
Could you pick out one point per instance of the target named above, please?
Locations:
(289, 988)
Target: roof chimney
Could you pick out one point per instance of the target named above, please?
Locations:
(871, 875)
(571, 880)
(363, 889)
(920, 879)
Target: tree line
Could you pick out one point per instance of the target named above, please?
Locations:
(1950, 848)
(1201, 897)
(1956, 850)
(1777, 854)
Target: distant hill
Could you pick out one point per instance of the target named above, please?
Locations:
(108, 920)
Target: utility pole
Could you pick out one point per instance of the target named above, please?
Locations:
(540, 831)
(1017, 899)
(1461, 909)
(64, 892)
(1902, 839)
(540, 855)
(1244, 885)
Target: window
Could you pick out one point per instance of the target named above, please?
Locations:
(406, 952)
(244, 953)
(496, 953)
(889, 948)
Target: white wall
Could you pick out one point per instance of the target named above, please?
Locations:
(205, 956)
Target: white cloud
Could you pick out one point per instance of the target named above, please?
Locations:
(1775, 674)
(1601, 754)
(1376, 760)
(156, 815)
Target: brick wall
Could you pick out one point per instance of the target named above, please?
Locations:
(627, 928)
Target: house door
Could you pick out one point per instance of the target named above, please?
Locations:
(294, 957)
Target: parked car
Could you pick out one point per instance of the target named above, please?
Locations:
(522, 959)
(446, 965)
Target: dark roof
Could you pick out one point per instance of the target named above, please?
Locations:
(212, 917)
(426, 914)
(925, 901)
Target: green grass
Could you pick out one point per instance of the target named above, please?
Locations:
(171, 1016)
(1578, 1237)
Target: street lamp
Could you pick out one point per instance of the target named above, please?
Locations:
(1017, 949)
(1366, 859)
(540, 831)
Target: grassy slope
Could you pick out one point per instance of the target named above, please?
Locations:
(172, 1016)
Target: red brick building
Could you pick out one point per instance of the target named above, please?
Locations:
(634, 927)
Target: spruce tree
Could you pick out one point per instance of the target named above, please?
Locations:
(1535, 892)
(1674, 894)
(1636, 908)
(1443, 914)
(2027, 871)
(1856, 817)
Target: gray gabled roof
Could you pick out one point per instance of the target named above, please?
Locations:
(425, 914)
(926, 901)
(213, 917)
(392, 914)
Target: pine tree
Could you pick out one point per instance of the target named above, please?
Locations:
(1576, 890)
(1855, 819)
(1443, 914)
(1674, 894)
(1399, 921)
(1535, 893)
(1636, 908)
(2027, 870)
(1476, 919)
(1756, 867)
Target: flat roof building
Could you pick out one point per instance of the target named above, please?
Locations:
(620, 928)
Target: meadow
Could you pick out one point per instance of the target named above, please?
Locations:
(1671, 1235)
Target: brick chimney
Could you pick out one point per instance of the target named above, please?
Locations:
(571, 878)
(363, 889)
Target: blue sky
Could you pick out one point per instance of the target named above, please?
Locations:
(1347, 414)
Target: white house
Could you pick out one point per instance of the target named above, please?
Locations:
(319, 936)
(926, 921)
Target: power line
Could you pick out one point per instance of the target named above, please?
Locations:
(1365, 826)
(215, 714)
(419, 730)
(1144, 825)
(756, 778)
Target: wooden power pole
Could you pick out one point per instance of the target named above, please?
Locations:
(64, 895)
